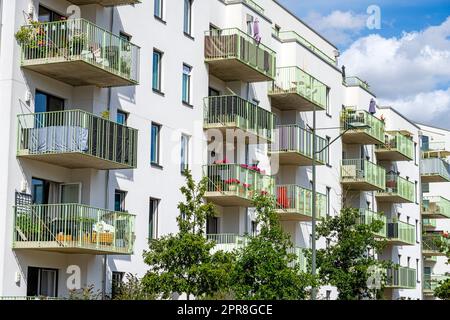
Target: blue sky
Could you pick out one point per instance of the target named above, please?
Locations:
(406, 62)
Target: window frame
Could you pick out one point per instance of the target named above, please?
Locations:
(187, 14)
(159, 71)
(186, 88)
(158, 15)
(157, 140)
(153, 216)
(123, 195)
(184, 142)
(124, 114)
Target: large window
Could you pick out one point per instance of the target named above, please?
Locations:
(44, 102)
(158, 8)
(155, 144)
(187, 19)
(47, 15)
(186, 93)
(184, 164)
(153, 219)
(157, 70)
(117, 280)
(119, 200)
(42, 282)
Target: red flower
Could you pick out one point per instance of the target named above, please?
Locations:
(232, 181)
(247, 185)
(264, 193)
(245, 166)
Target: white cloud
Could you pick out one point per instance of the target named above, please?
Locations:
(411, 72)
(339, 26)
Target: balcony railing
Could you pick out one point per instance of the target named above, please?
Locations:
(435, 170)
(357, 82)
(295, 203)
(294, 36)
(352, 119)
(80, 53)
(396, 147)
(432, 281)
(398, 190)
(235, 184)
(401, 233)
(359, 174)
(234, 55)
(105, 3)
(76, 139)
(294, 89)
(368, 216)
(73, 228)
(432, 244)
(436, 207)
(429, 223)
(233, 112)
(293, 145)
(252, 4)
(401, 278)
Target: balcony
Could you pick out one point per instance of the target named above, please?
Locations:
(428, 223)
(79, 53)
(294, 203)
(432, 244)
(435, 170)
(430, 259)
(293, 146)
(431, 282)
(401, 278)
(435, 149)
(357, 82)
(294, 89)
(398, 190)
(105, 3)
(363, 128)
(435, 208)
(401, 234)
(73, 228)
(233, 55)
(76, 139)
(363, 175)
(368, 216)
(396, 147)
(229, 113)
(234, 185)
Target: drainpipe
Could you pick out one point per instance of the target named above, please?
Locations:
(422, 264)
(107, 175)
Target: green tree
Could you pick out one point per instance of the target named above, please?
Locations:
(183, 263)
(348, 262)
(264, 267)
(443, 290)
(132, 289)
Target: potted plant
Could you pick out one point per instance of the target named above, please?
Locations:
(248, 189)
(232, 184)
(77, 43)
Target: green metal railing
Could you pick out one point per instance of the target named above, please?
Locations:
(252, 4)
(293, 138)
(361, 170)
(236, 44)
(356, 82)
(79, 39)
(300, 259)
(398, 142)
(401, 277)
(429, 223)
(76, 131)
(73, 226)
(396, 185)
(296, 199)
(234, 111)
(351, 119)
(432, 281)
(237, 180)
(436, 205)
(367, 217)
(227, 241)
(294, 36)
(433, 242)
(435, 167)
(293, 80)
(401, 231)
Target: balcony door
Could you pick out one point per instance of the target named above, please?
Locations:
(71, 193)
(42, 282)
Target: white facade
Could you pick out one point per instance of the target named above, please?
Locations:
(144, 106)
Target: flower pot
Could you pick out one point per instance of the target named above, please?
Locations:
(232, 187)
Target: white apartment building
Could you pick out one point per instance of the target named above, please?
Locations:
(108, 101)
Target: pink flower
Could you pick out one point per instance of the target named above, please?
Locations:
(247, 185)
(232, 181)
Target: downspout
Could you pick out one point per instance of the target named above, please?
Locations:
(422, 267)
(107, 175)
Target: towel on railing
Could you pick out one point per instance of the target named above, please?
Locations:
(58, 139)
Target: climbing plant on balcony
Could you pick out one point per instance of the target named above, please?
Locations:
(182, 263)
(348, 263)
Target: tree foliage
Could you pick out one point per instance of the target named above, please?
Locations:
(132, 289)
(183, 263)
(264, 267)
(443, 290)
(348, 262)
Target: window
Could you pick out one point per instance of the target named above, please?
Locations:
(47, 15)
(415, 153)
(254, 228)
(425, 187)
(212, 225)
(158, 9)
(42, 282)
(276, 30)
(213, 92)
(328, 201)
(153, 218)
(187, 23)
(417, 271)
(408, 262)
(186, 96)
(417, 231)
(44, 102)
(119, 200)
(39, 191)
(184, 164)
(121, 117)
(328, 101)
(327, 151)
(124, 36)
(116, 281)
(416, 195)
(155, 142)
(157, 70)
